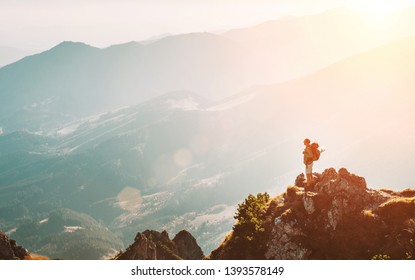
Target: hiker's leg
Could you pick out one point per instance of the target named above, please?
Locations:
(309, 179)
(309, 174)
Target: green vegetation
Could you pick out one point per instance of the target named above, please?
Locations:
(249, 218)
(407, 256)
(67, 234)
(249, 236)
(381, 257)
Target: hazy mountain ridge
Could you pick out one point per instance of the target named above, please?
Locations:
(9, 55)
(361, 98)
(298, 46)
(74, 80)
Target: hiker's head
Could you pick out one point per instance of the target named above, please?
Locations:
(307, 141)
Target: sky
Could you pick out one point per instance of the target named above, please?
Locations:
(42, 24)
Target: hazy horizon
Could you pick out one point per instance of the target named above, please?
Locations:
(43, 24)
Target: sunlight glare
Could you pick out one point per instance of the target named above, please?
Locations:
(379, 9)
(381, 15)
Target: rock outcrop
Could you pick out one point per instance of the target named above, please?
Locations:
(187, 247)
(9, 249)
(339, 218)
(153, 245)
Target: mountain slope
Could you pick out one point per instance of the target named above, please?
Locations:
(339, 219)
(301, 45)
(10, 55)
(362, 99)
(92, 165)
(73, 80)
(67, 234)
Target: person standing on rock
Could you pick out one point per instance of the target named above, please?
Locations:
(308, 161)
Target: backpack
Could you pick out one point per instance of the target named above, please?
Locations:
(315, 150)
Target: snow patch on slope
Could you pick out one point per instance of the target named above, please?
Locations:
(209, 182)
(149, 205)
(233, 102)
(185, 104)
(71, 229)
(67, 130)
(214, 215)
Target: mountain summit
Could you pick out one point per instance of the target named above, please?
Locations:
(339, 219)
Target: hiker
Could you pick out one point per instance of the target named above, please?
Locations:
(308, 161)
(311, 153)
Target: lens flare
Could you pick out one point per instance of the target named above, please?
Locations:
(183, 158)
(129, 199)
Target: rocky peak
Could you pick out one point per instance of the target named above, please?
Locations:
(337, 194)
(339, 218)
(9, 249)
(187, 246)
(153, 245)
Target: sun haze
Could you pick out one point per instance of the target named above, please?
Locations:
(42, 24)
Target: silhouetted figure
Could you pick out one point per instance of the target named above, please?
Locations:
(308, 161)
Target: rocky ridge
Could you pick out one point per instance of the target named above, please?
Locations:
(339, 218)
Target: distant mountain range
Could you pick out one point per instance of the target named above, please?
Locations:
(74, 80)
(10, 55)
(178, 160)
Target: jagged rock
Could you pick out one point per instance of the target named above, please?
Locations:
(301, 181)
(339, 200)
(6, 251)
(286, 235)
(187, 246)
(334, 196)
(9, 249)
(309, 204)
(144, 248)
(153, 245)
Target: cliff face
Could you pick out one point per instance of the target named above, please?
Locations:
(153, 245)
(9, 249)
(340, 218)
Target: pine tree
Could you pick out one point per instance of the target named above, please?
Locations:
(249, 217)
